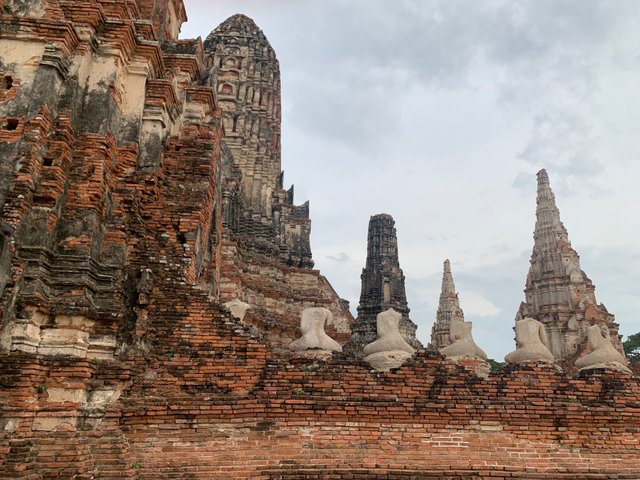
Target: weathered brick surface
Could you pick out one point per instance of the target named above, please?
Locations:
(251, 416)
(121, 236)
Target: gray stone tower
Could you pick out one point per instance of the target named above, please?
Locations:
(244, 71)
(448, 309)
(557, 292)
(382, 285)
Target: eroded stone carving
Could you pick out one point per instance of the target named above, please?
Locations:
(237, 308)
(312, 322)
(603, 354)
(60, 335)
(390, 350)
(531, 343)
(462, 344)
(103, 396)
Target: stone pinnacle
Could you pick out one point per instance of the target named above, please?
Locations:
(448, 309)
(549, 229)
(447, 280)
(382, 285)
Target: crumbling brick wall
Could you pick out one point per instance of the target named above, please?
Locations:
(239, 413)
(117, 359)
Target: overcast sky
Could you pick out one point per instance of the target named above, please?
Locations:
(440, 113)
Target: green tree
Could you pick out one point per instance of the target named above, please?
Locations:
(631, 347)
(495, 366)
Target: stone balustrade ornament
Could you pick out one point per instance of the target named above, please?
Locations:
(390, 350)
(312, 323)
(462, 344)
(531, 343)
(603, 354)
(237, 308)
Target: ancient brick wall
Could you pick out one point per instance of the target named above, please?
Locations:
(119, 242)
(431, 419)
(242, 414)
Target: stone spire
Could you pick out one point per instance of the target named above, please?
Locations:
(245, 74)
(382, 285)
(246, 77)
(549, 230)
(448, 310)
(557, 292)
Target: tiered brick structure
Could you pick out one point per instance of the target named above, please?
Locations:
(558, 293)
(448, 310)
(382, 285)
(121, 236)
(115, 180)
(265, 258)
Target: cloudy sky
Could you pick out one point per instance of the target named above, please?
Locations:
(440, 112)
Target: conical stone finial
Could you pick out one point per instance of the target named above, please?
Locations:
(549, 229)
(448, 310)
(558, 293)
(382, 286)
(447, 278)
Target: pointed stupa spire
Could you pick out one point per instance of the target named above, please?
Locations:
(448, 309)
(558, 293)
(549, 229)
(448, 286)
(382, 286)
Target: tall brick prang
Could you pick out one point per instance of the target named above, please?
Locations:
(448, 310)
(265, 254)
(557, 292)
(382, 285)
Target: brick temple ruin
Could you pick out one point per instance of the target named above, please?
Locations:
(161, 317)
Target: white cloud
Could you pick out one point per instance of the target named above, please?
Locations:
(475, 304)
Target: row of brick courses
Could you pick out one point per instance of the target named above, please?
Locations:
(192, 392)
(499, 425)
(428, 415)
(50, 29)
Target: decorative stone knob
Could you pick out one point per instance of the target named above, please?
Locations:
(312, 322)
(531, 343)
(603, 354)
(390, 350)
